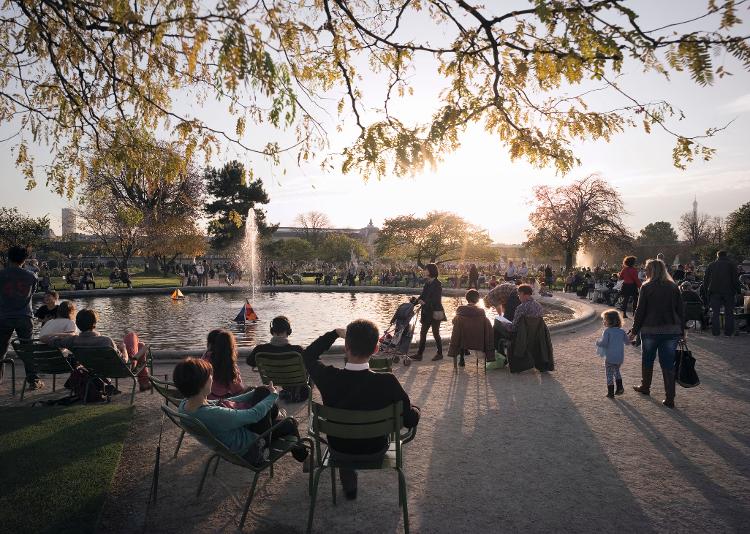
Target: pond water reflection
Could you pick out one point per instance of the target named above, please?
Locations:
(168, 324)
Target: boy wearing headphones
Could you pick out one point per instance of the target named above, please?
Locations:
(281, 329)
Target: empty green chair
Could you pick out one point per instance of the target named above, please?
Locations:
(171, 396)
(40, 358)
(278, 448)
(359, 424)
(381, 365)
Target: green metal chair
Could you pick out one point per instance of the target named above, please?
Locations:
(381, 365)
(40, 358)
(359, 424)
(105, 362)
(286, 370)
(278, 448)
(171, 396)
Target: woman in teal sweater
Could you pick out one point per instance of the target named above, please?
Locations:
(238, 429)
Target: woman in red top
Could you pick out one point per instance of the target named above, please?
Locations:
(630, 284)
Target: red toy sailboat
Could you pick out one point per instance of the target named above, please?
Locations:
(247, 314)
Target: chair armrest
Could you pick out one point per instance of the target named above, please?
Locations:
(409, 435)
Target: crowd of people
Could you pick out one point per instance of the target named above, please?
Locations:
(214, 391)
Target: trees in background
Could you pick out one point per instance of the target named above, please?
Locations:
(658, 233)
(587, 212)
(738, 231)
(437, 237)
(695, 228)
(313, 224)
(19, 229)
(339, 248)
(143, 196)
(232, 194)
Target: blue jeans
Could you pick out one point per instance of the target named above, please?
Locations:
(664, 344)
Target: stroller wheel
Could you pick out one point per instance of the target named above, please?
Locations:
(407, 362)
(396, 358)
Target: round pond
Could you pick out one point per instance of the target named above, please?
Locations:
(183, 324)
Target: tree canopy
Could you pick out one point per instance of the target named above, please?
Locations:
(148, 206)
(313, 223)
(339, 247)
(738, 230)
(695, 228)
(658, 233)
(587, 212)
(438, 237)
(232, 196)
(17, 229)
(77, 71)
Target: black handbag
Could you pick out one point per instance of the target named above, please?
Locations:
(684, 368)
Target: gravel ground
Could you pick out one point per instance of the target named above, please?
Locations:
(494, 452)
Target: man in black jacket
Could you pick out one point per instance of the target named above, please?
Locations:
(281, 329)
(722, 283)
(355, 387)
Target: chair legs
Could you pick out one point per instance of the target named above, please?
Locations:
(402, 493)
(205, 472)
(249, 499)
(333, 484)
(313, 497)
(132, 392)
(179, 443)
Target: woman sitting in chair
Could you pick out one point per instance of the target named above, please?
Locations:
(221, 353)
(237, 429)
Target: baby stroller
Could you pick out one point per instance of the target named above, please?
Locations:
(395, 341)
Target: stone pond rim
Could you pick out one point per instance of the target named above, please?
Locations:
(583, 312)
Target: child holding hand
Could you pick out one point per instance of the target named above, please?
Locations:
(611, 346)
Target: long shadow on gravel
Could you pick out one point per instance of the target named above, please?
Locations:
(519, 458)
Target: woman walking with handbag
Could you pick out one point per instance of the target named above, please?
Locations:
(659, 321)
(432, 312)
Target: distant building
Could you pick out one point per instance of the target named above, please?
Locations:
(367, 235)
(69, 222)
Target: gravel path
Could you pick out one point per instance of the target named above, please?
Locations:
(495, 452)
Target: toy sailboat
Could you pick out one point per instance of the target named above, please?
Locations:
(247, 314)
(177, 295)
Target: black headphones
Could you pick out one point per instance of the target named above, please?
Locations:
(281, 323)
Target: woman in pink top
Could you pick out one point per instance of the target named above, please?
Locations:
(630, 284)
(222, 355)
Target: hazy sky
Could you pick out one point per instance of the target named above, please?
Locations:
(479, 181)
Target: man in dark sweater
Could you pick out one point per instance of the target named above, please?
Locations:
(722, 283)
(355, 387)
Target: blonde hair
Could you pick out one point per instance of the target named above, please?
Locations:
(612, 318)
(656, 271)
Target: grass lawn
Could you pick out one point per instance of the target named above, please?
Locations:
(102, 282)
(56, 465)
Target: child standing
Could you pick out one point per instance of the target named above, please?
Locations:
(611, 346)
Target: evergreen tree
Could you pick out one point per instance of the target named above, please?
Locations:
(232, 196)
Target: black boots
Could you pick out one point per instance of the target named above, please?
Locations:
(610, 391)
(646, 374)
(669, 388)
(619, 390)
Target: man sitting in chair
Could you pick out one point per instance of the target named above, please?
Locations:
(355, 387)
(130, 350)
(281, 329)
